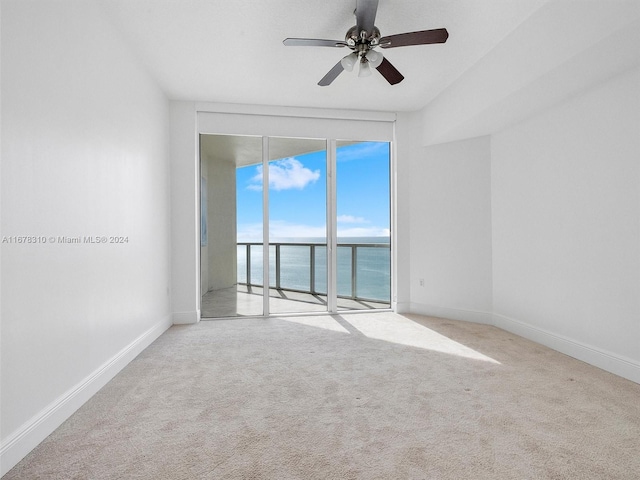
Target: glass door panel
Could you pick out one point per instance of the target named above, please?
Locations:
(231, 226)
(297, 225)
(363, 225)
(249, 225)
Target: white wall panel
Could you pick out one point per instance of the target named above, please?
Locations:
(566, 224)
(84, 154)
(450, 230)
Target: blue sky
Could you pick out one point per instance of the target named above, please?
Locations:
(297, 194)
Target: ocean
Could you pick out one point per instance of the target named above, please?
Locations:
(373, 265)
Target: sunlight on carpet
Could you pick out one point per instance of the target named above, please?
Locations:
(325, 322)
(394, 329)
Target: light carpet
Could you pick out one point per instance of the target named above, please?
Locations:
(360, 396)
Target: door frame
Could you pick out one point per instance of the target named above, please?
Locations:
(303, 123)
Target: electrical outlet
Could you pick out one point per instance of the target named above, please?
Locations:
(422, 282)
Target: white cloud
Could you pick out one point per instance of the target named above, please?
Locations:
(363, 232)
(279, 229)
(249, 232)
(350, 219)
(285, 174)
(282, 229)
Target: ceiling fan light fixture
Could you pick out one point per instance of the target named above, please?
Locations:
(349, 61)
(374, 58)
(365, 70)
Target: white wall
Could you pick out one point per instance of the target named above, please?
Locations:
(407, 146)
(185, 236)
(566, 226)
(536, 229)
(223, 252)
(450, 230)
(84, 153)
(204, 250)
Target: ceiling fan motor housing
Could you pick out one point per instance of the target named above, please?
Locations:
(362, 41)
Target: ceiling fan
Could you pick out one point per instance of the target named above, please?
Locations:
(363, 38)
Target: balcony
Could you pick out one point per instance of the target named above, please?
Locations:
(298, 279)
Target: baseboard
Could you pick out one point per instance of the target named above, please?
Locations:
(402, 307)
(611, 362)
(183, 318)
(473, 316)
(20, 443)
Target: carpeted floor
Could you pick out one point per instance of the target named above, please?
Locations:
(360, 396)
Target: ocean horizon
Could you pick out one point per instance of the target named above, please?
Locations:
(373, 265)
(322, 240)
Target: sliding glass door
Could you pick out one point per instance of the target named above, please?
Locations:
(297, 225)
(363, 225)
(231, 227)
(293, 225)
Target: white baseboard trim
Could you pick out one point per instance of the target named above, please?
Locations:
(184, 318)
(27, 437)
(402, 307)
(473, 316)
(611, 362)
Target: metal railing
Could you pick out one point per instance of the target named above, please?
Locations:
(312, 289)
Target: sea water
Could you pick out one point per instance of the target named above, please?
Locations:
(372, 266)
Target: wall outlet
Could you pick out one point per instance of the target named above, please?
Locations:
(422, 282)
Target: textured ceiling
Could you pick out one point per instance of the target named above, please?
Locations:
(232, 51)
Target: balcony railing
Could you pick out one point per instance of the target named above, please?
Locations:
(363, 268)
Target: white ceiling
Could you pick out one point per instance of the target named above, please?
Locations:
(232, 51)
(504, 59)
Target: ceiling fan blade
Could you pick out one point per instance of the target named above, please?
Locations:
(423, 37)
(331, 75)
(389, 72)
(366, 14)
(313, 42)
